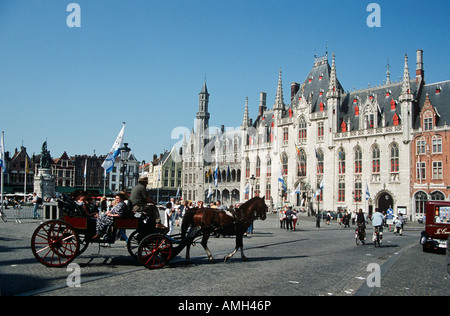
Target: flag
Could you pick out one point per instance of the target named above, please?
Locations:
(296, 191)
(2, 154)
(108, 164)
(367, 191)
(178, 193)
(216, 172)
(280, 177)
(85, 168)
(210, 192)
(321, 185)
(247, 189)
(297, 149)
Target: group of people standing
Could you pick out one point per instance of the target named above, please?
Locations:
(288, 218)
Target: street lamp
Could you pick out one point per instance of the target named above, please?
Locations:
(252, 182)
(124, 154)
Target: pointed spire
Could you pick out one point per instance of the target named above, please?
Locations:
(333, 79)
(333, 85)
(279, 99)
(246, 120)
(406, 88)
(388, 73)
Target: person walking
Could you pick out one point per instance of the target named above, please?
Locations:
(289, 214)
(169, 217)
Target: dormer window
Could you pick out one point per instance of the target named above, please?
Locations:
(438, 89)
(395, 119)
(321, 106)
(356, 110)
(393, 105)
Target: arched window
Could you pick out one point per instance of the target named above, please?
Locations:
(341, 160)
(302, 164)
(285, 164)
(394, 158)
(269, 167)
(376, 159)
(302, 129)
(247, 168)
(319, 161)
(258, 167)
(358, 160)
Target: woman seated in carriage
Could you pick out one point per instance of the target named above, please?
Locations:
(105, 222)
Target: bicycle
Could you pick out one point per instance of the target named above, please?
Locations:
(360, 236)
(377, 236)
(3, 215)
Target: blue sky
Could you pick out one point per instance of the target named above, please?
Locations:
(144, 62)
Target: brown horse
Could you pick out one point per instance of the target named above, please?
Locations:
(236, 222)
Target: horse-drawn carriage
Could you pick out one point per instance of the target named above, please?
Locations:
(56, 243)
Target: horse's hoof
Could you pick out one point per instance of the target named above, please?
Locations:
(211, 259)
(245, 259)
(226, 258)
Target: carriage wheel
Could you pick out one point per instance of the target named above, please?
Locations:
(155, 251)
(133, 244)
(55, 243)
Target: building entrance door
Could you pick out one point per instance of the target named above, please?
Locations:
(385, 202)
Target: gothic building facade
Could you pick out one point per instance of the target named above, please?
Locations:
(328, 149)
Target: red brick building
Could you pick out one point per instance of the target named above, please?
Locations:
(430, 147)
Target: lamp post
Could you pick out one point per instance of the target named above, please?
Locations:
(252, 182)
(124, 154)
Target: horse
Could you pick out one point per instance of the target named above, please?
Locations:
(207, 220)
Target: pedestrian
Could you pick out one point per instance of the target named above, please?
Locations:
(36, 202)
(346, 219)
(318, 215)
(281, 217)
(328, 218)
(294, 218)
(170, 215)
(354, 218)
(398, 222)
(289, 214)
(339, 218)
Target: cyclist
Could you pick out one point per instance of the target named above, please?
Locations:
(361, 222)
(377, 223)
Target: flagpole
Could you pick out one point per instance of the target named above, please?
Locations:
(85, 173)
(2, 158)
(25, 182)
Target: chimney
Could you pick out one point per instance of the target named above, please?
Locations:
(295, 86)
(262, 103)
(420, 73)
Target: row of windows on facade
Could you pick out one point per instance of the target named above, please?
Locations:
(302, 162)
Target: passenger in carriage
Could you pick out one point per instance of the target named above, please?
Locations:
(105, 222)
(86, 204)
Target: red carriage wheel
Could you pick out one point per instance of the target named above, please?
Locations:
(155, 251)
(55, 243)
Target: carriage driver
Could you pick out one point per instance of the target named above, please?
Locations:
(140, 198)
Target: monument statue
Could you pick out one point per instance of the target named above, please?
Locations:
(44, 181)
(46, 159)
